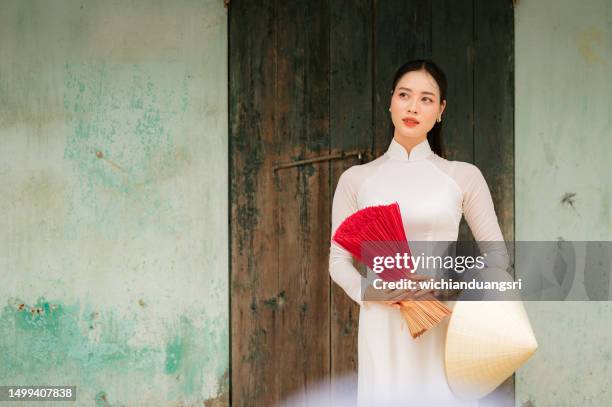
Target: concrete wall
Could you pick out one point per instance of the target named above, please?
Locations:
(113, 199)
(563, 183)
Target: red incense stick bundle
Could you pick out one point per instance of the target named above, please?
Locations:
(379, 231)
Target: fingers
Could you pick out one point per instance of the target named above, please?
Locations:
(394, 295)
(391, 303)
(408, 295)
(399, 295)
(420, 277)
(422, 293)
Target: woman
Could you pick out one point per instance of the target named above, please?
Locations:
(433, 193)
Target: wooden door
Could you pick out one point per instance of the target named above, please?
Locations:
(308, 82)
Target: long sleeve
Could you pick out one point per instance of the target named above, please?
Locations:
(481, 218)
(341, 268)
(478, 208)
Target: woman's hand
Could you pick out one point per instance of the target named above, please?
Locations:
(392, 297)
(442, 294)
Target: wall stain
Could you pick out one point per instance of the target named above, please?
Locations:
(193, 354)
(79, 343)
(122, 144)
(222, 397)
(101, 400)
(49, 336)
(586, 45)
(528, 403)
(569, 199)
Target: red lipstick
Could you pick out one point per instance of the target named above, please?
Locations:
(410, 121)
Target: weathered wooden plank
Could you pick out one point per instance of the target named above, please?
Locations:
(351, 74)
(494, 104)
(452, 47)
(303, 306)
(351, 128)
(452, 50)
(302, 104)
(254, 380)
(315, 308)
(344, 321)
(402, 31)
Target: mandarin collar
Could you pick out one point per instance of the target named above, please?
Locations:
(419, 152)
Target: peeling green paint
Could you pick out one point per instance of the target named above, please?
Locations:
(112, 175)
(174, 353)
(50, 337)
(192, 348)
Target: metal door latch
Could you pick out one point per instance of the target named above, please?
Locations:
(361, 155)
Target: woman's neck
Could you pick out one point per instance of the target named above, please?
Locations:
(408, 142)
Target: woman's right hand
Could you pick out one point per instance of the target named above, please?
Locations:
(393, 296)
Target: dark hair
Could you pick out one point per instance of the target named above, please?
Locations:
(434, 136)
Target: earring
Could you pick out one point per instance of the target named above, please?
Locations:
(389, 109)
(439, 119)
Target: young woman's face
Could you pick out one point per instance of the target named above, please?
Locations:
(415, 104)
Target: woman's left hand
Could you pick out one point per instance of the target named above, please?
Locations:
(440, 294)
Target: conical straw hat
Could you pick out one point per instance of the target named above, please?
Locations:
(486, 342)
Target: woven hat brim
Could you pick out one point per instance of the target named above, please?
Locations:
(486, 342)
